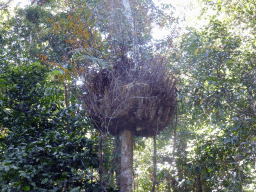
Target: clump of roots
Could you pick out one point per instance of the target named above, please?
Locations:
(142, 100)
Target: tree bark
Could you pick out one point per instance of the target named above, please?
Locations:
(168, 183)
(117, 160)
(126, 161)
(66, 93)
(100, 161)
(154, 164)
(199, 184)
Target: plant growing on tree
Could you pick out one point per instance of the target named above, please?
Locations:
(132, 103)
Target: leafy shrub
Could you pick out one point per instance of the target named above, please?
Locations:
(42, 146)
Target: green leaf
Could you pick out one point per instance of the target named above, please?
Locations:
(75, 189)
(56, 72)
(44, 180)
(27, 188)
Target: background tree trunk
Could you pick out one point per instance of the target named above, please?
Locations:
(126, 161)
(100, 161)
(117, 160)
(154, 164)
(199, 184)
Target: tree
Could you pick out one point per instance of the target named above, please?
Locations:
(80, 36)
(88, 50)
(131, 103)
(37, 151)
(217, 103)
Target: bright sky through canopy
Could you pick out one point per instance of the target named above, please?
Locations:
(182, 9)
(185, 10)
(20, 3)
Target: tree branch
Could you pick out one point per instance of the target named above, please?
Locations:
(5, 5)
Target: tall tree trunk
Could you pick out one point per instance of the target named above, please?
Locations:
(168, 183)
(154, 164)
(199, 184)
(126, 161)
(100, 161)
(66, 102)
(117, 160)
(66, 93)
(129, 16)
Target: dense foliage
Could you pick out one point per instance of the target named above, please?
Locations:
(217, 68)
(43, 145)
